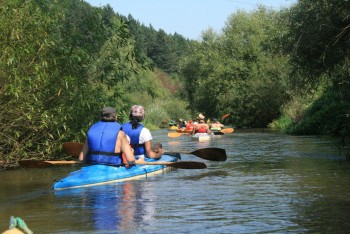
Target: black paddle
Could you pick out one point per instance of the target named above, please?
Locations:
(212, 154)
(74, 148)
(48, 163)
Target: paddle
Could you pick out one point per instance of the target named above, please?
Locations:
(227, 130)
(212, 154)
(31, 163)
(46, 163)
(176, 134)
(179, 165)
(225, 116)
(73, 148)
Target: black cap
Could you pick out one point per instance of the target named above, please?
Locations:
(108, 112)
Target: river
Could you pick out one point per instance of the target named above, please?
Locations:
(270, 183)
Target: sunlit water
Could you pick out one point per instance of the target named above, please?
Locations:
(270, 183)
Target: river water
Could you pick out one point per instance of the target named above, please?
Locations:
(270, 183)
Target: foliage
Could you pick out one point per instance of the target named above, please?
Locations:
(319, 38)
(157, 48)
(48, 86)
(281, 124)
(243, 71)
(154, 92)
(327, 116)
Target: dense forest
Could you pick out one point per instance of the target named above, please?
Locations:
(61, 61)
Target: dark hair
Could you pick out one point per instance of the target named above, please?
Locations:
(108, 114)
(135, 121)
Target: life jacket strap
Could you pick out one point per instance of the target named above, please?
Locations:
(136, 145)
(105, 153)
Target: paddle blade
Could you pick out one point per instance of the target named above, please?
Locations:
(227, 130)
(212, 154)
(34, 163)
(225, 116)
(73, 148)
(174, 134)
(188, 165)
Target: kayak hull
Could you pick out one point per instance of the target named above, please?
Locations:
(172, 128)
(201, 137)
(102, 174)
(183, 131)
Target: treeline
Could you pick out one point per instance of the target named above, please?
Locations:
(157, 48)
(62, 61)
(287, 69)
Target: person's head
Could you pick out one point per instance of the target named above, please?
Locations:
(200, 118)
(137, 114)
(108, 114)
(215, 120)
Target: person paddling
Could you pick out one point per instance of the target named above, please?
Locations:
(140, 137)
(201, 126)
(216, 125)
(105, 142)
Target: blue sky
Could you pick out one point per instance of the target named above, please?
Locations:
(186, 17)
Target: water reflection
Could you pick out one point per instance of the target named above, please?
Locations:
(113, 207)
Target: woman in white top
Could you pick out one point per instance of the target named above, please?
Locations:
(140, 137)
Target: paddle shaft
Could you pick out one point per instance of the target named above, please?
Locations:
(180, 165)
(44, 163)
(212, 154)
(48, 163)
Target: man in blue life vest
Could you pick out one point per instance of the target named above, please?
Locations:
(105, 142)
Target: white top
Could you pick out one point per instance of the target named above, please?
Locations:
(145, 136)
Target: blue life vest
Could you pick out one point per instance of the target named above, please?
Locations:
(134, 135)
(102, 137)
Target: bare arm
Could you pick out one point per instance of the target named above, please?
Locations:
(153, 154)
(123, 145)
(194, 129)
(208, 129)
(84, 152)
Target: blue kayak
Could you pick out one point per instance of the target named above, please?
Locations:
(101, 174)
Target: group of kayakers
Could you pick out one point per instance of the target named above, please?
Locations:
(200, 125)
(112, 143)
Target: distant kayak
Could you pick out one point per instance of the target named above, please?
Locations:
(201, 137)
(173, 128)
(101, 174)
(222, 131)
(183, 131)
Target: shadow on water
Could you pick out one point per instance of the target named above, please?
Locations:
(208, 174)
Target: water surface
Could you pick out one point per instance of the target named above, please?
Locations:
(270, 183)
